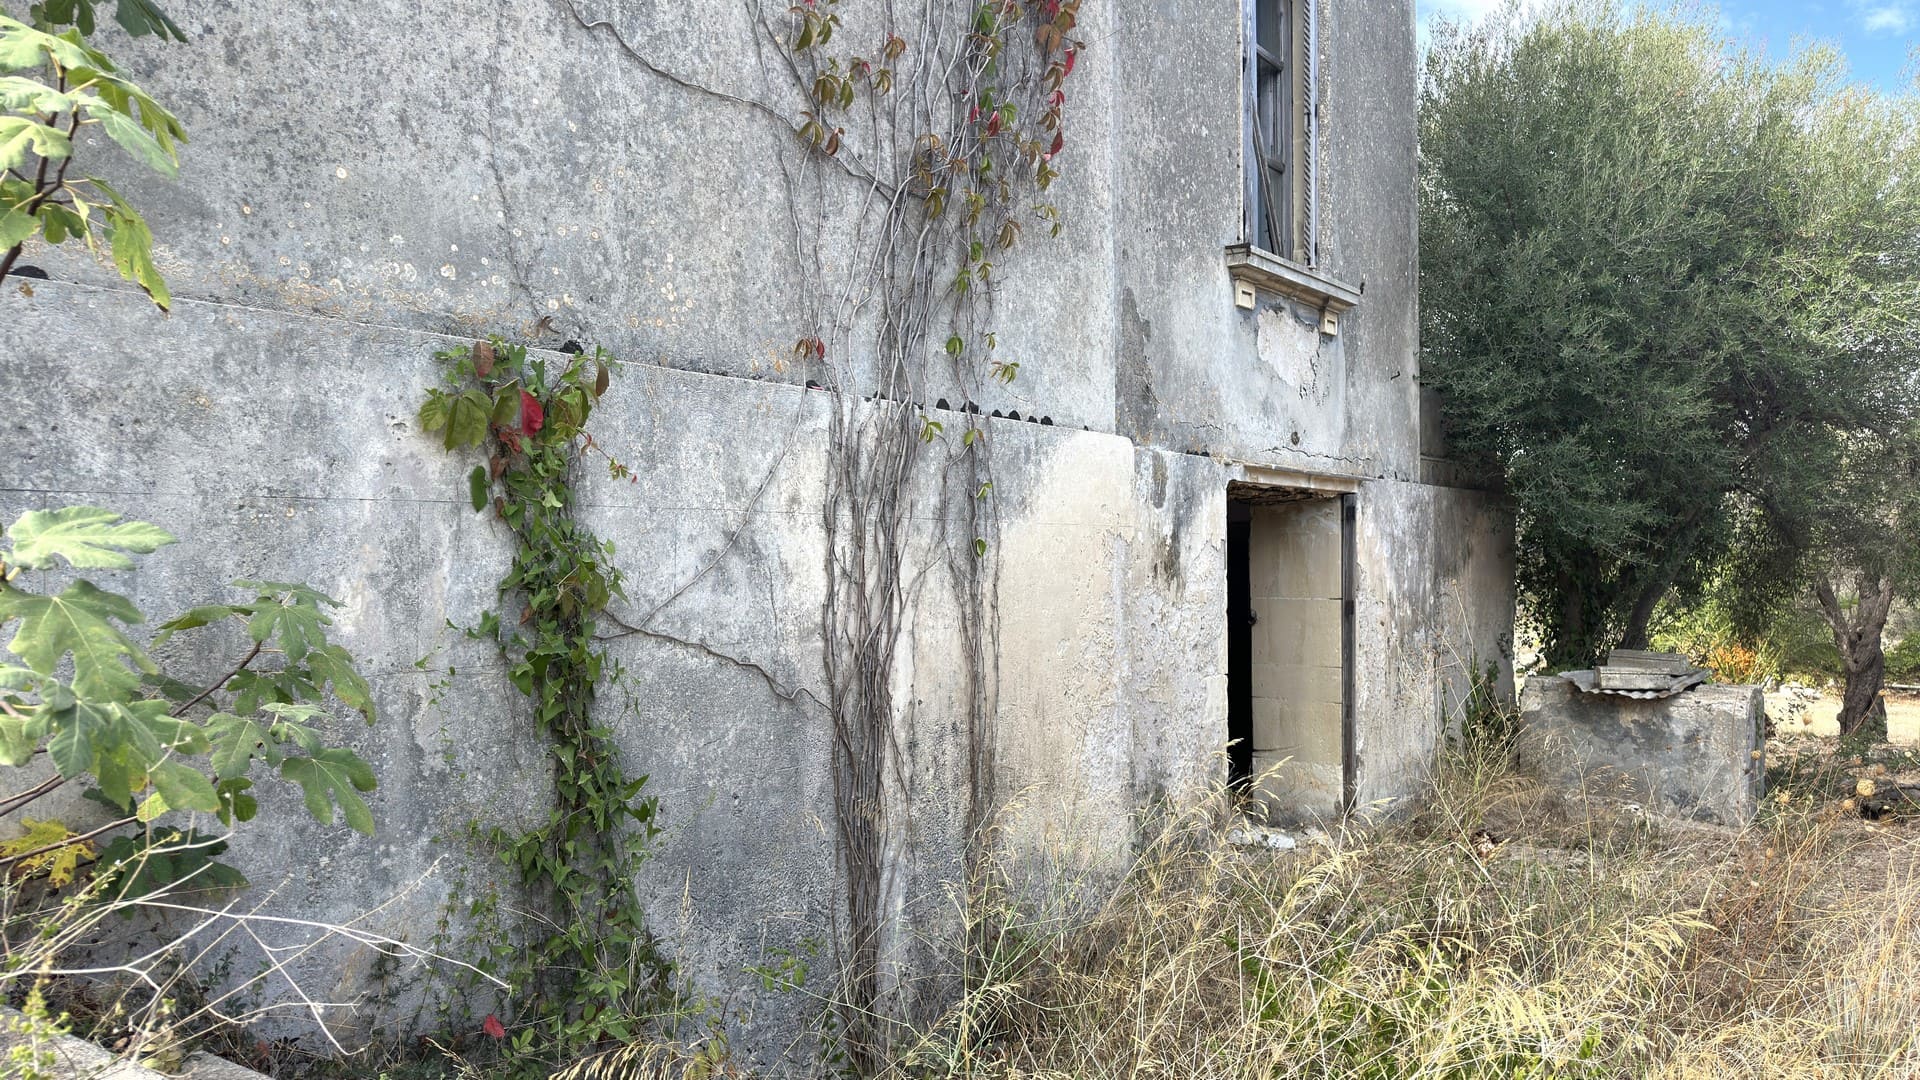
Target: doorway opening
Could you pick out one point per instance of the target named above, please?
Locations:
(1290, 649)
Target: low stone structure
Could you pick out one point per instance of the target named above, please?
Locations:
(1695, 755)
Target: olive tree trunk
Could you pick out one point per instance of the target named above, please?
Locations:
(1857, 634)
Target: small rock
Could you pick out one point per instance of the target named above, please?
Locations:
(1255, 836)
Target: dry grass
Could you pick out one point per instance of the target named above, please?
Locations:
(1580, 940)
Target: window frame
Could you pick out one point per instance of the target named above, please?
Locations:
(1279, 128)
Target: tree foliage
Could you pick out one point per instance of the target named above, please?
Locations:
(1661, 281)
(1849, 533)
(52, 88)
(76, 685)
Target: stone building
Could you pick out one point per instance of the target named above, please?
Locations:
(1232, 521)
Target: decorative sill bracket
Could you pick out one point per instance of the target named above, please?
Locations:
(1256, 271)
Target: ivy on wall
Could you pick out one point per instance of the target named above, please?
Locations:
(586, 970)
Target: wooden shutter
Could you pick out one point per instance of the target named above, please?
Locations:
(1249, 116)
(1307, 160)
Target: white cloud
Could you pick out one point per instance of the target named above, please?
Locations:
(1885, 18)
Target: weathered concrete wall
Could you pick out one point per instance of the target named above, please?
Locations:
(1433, 603)
(361, 183)
(521, 166)
(284, 447)
(1194, 371)
(1697, 755)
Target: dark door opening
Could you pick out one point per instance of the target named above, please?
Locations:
(1240, 619)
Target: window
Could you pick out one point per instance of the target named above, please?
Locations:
(1281, 129)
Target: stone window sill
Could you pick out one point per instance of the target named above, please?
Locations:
(1255, 271)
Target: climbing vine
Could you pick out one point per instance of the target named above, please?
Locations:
(952, 120)
(587, 967)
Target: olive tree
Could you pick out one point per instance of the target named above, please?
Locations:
(1661, 278)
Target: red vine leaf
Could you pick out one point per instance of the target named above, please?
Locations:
(531, 414)
(483, 358)
(1067, 68)
(493, 1027)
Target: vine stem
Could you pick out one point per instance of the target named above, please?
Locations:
(224, 680)
(628, 630)
(625, 46)
(47, 786)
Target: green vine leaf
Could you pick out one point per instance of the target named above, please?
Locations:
(22, 138)
(467, 419)
(81, 728)
(80, 621)
(235, 803)
(137, 17)
(131, 137)
(299, 627)
(132, 245)
(184, 787)
(22, 47)
(333, 776)
(115, 741)
(506, 406)
(17, 741)
(19, 92)
(194, 618)
(435, 411)
(87, 537)
(16, 226)
(237, 741)
(477, 488)
(333, 665)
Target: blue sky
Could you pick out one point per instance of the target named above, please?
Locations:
(1875, 35)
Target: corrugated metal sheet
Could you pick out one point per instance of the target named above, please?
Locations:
(1589, 683)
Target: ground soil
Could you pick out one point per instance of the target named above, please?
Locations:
(1819, 718)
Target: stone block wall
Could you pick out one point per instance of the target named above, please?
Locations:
(1698, 755)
